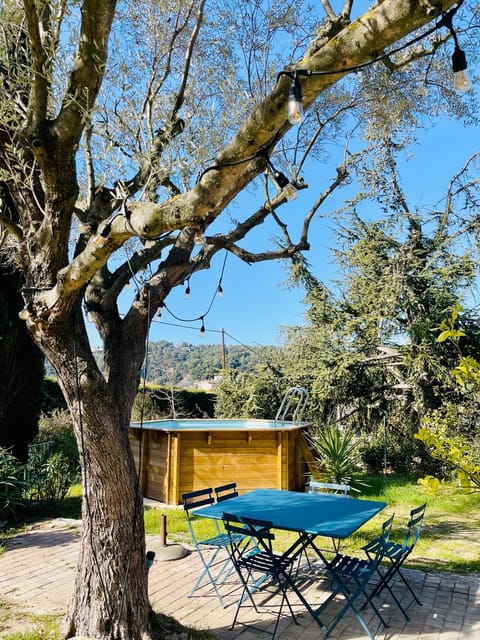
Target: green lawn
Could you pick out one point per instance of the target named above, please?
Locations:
(449, 539)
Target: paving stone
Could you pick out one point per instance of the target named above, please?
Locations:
(37, 571)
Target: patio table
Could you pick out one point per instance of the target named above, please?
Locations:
(311, 514)
(308, 514)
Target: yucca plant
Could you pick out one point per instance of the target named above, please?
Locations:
(337, 454)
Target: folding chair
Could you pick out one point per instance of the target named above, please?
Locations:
(351, 577)
(226, 491)
(216, 569)
(329, 487)
(254, 569)
(397, 553)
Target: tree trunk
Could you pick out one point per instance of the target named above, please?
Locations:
(110, 597)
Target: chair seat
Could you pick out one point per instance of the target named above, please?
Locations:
(350, 567)
(264, 563)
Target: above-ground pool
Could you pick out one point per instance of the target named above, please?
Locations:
(178, 456)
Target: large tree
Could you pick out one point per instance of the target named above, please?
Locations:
(111, 114)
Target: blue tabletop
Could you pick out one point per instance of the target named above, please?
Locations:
(323, 514)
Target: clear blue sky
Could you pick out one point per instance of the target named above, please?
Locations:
(256, 302)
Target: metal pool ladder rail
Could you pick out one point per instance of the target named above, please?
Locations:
(294, 400)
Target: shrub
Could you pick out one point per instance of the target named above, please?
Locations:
(11, 483)
(51, 478)
(57, 430)
(404, 455)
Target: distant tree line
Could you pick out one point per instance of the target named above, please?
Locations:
(172, 364)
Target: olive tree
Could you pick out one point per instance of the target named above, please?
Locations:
(126, 131)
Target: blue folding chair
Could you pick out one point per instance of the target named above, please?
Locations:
(262, 566)
(226, 491)
(215, 568)
(351, 578)
(397, 553)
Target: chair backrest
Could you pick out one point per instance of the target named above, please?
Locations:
(195, 499)
(382, 545)
(226, 491)
(328, 487)
(387, 528)
(258, 530)
(414, 526)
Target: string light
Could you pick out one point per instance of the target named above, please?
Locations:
(459, 66)
(26, 312)
(186, 294)
(295, 112)
(459, 59)
(282, 183)
(199, 237)
(202, 328)
(220, 290)
(103, 234)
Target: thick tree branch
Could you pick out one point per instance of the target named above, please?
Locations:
(38, 100)
(88, 69)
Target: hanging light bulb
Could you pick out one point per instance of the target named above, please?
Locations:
(220, 290)
(186, 294)
(26, 312)
(103, 235)
(295, 112)
(283, 184)
(85, 227)
(199, 237)
(459, 65)
(202, 329)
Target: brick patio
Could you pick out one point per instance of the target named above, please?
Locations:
(37, 568)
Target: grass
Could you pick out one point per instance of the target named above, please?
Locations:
(449, 539)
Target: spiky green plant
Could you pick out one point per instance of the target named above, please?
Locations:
(337, 454)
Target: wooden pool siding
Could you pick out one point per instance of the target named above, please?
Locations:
(175, 462)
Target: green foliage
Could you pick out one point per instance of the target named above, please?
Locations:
(170, 364)
(404, 455)
(243, 395)
(443, 431)
(445, 444)
(337, 453)
(57, 429)
(50, 479)
(11, 483)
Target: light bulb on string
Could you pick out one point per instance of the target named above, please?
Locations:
(295, 112)
(199, 237)
(26, 312)
(186, 294)
(202, 328)
(220, 290)
(103, 234)
(461, 82)
(282, 183)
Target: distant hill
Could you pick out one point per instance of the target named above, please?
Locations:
(185, 364)
(179, 364)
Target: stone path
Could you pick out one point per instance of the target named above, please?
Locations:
(37, 568)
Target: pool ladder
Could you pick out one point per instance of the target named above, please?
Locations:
(294, 401)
